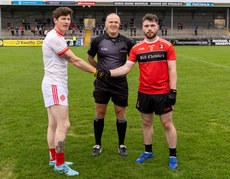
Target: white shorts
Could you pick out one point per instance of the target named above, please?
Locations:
(54, 94)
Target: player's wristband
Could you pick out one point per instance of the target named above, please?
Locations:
(173, 91)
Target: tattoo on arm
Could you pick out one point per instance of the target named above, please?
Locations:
(60, 147)
(66, 57)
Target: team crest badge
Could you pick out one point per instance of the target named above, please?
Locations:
(62, 97)
(161, 46)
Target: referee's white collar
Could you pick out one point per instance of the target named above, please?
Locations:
(153, 41)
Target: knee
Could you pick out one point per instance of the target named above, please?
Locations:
(168, 125)
(66, 125)
(146, 123)
(100, 114)
(120, 114)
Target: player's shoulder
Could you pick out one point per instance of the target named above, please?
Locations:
(165, 42)
(139, 44)
(52, 35)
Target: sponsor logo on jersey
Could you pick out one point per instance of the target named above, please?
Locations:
(151, 56)
(104, 49)
(142, 48)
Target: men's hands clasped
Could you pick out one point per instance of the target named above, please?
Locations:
(102, 74)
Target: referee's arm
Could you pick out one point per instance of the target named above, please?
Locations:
(92, 61)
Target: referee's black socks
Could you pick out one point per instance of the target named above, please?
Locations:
(98, 129)
(121, 130)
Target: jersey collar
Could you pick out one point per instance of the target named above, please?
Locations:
(59, 33)
(153, 41)
(108, 37)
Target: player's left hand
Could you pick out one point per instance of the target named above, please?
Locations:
(172, 97)
(102, 74)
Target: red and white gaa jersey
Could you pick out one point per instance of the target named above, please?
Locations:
(152, 58)
(55, 67)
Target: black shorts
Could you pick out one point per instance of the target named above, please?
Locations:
(149, 103)
(115, 88)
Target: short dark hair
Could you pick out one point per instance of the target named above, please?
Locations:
(62, 11)
(150, 17)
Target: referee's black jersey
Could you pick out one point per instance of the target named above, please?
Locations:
(111, 52)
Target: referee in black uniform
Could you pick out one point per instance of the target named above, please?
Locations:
(112, 49)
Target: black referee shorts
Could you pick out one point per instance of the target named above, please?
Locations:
(149, 103)
(115, 88)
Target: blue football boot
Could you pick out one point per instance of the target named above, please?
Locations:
(173, 163)
(65, 169)
(144, 156)
(52, 163)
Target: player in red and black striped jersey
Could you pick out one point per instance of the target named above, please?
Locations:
(157, 89)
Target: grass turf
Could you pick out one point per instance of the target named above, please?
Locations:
(201, 118)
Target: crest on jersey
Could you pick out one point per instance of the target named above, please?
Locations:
(62, 97)
(161, 46)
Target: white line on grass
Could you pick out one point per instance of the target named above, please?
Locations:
(205, 62)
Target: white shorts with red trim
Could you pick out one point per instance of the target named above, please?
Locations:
(54, 94)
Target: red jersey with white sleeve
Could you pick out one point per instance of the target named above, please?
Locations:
(55, 67)
(152, 58)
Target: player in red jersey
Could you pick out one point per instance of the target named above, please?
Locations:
(157, 89)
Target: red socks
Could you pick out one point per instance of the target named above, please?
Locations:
(60, 158)
(52, 154)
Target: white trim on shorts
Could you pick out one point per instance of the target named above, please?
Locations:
(54, 94)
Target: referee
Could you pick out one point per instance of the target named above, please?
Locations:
(111, 49)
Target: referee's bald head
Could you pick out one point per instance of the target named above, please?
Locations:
(112, 14)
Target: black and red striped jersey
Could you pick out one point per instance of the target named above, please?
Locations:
(152, 58)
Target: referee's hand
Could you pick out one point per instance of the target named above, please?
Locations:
(102, 74)
(172, 97)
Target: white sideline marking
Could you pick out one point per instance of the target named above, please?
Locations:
(205, 62)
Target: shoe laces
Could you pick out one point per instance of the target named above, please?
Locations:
(97, 147)
(122, 146)
(146, 155)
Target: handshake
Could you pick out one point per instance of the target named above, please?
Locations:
(102, 74)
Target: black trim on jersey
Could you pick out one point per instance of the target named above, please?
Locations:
(152, 56)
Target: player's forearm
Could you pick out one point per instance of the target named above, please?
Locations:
(78, 62)
(173, 79)
(81, 64)
(123, 70)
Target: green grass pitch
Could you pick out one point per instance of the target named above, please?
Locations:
(201, 117)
